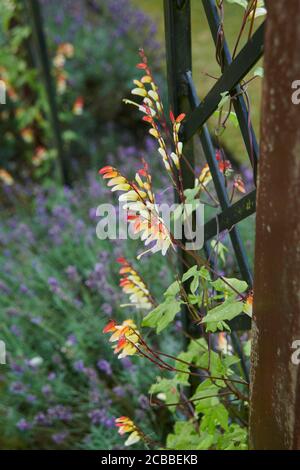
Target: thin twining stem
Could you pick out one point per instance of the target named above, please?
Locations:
(194, 400)
(163, 364)
(244, 22)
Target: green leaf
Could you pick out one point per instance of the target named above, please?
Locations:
(242, 3)
(162, 315)
(193, 354)
(165, 312)
(190, 194)
(206, 441)
(184, 436)
(195, 271)
(169, 388)
(214, 416)
(232, 117)
(225, 287)
(225, 97)
(219, 248)
(235, 438)
(206, 395)
(190, 273)
(228, 310)
(247, 348)
(173, 289)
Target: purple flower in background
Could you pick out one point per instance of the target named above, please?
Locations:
(91, 373)
(17, 388)
(36, 320)
(12, 312)
(119, 391)
(71, 340)
(126, 363)
(55, 233)
(59, 437)
(72, 273)
(104, 366)
(93, 213)
(100, 416)
(46, 390)
(4, 288)
(109, 423)
(42, 420)
(79, 366)
(23, 425)
(53, 284)
(107, 309)
(55, 288)
(178, 326)
(16, 368)
(143, 402)
(31, 398)
(16, 330)
(94, 395)
(52, 376)
(24, 289)
(60, 412)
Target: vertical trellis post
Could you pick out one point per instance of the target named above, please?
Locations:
(275, 396)
(43, 59)
(179, 62)
(177, 15)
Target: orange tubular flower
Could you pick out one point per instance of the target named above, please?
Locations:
(40, 155)
(78, 106)
(224, 167)
(61, 82)
(152, 107)
(178, 145)
(6, 177)
(126, 425)
(125, 335)
(27, 134)
(239, 184)
(66, 49)
(248, 304)
(143, 216)
(133, 285)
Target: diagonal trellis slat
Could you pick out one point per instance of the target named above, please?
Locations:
(239, 104)
(232, 75)
(182, 90)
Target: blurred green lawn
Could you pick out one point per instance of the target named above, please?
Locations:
(203, 52)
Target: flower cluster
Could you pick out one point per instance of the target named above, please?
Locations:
(126, 425)
(6, 177)
(152, 107)
(63, 52)
(225, 168)
(133, 285)
(248, 304)
(126, 335)
(78, 106)
(143, 215)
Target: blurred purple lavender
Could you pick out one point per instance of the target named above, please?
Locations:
(104, 366)
(23, 425)
(59, 438)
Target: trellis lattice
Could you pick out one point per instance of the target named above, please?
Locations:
(183, 98)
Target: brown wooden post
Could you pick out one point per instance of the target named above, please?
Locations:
(275, 390)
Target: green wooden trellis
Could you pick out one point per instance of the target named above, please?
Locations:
(183, 98)
(42, 56)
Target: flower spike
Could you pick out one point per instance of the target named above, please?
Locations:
(125, 335)
(133, 285)
(126, 425)
(143, 216)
